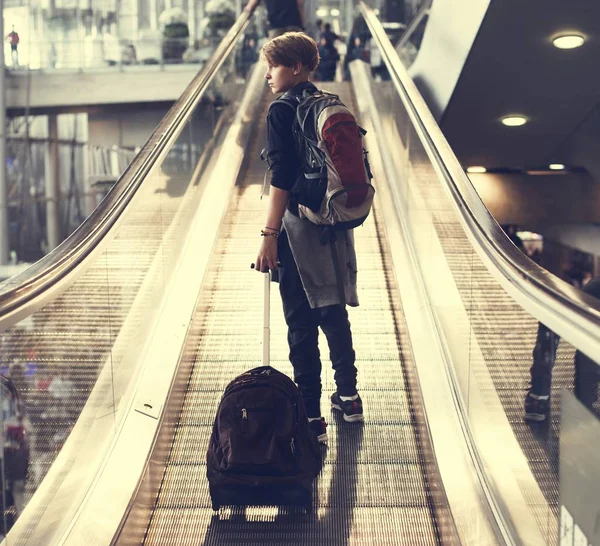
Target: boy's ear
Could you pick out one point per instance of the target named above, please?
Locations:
(298, 68)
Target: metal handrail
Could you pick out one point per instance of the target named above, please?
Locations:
(414, 24)
(25, 287)
(560, 303)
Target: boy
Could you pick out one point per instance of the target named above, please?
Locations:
(307, 280)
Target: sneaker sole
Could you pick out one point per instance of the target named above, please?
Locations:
(356, 418)
(537, 417)
(323, 439)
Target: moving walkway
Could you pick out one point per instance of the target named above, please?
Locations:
(150, 309)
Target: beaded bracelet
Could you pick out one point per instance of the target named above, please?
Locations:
(264, 233)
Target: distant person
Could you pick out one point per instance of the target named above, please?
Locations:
(355, 51)
(329, 36)
(13, 39)
(248, 55)
(329, 58)
(511, 231)
(317, 30)
(378, 68)
(535, 255)
(587, 372)
(284, 15)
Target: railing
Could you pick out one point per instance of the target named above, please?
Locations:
(414, 24)
(107, 51)
(487, 299)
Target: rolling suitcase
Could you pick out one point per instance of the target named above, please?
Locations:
(261, 451)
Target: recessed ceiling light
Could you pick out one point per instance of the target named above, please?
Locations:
(556, 166)
(514, 121)
(569, 41)
(476, 169)
(335, 12)
(322, 12)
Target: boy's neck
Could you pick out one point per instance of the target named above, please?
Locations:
(299, 82)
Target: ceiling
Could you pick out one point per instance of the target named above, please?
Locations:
(513, 68)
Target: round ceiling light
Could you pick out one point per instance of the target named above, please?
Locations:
(335, 12)
(569, 41)
(476, 169)
(514, 121)
(556, 166)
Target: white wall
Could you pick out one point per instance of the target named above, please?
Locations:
(537, 202)
(448, 38)
(584, 237)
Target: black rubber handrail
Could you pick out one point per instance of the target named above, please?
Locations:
(25, 287)
(497, 246)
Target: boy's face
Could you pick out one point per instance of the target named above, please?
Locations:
(281, 78)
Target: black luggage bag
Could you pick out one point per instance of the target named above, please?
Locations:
(261, 451)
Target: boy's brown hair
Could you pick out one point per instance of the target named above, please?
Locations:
(291, 48)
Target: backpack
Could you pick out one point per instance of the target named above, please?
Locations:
(261, 450)
(335, 189)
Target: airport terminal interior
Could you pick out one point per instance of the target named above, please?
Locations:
(133, 193)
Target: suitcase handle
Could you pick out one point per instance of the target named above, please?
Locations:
(266, 320)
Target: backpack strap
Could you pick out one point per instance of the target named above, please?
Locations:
(288, 101)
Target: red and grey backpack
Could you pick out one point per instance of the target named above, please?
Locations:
(335, 189)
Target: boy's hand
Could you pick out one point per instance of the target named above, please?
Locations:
(267, 255)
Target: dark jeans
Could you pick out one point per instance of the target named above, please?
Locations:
(587, 372)
(303, 330)
(544, 355)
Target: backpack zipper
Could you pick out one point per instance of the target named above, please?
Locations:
(244, 420)
(293, 440)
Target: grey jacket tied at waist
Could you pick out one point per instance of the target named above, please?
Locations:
(315, 262)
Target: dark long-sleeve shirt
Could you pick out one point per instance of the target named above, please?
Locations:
(284, 161)
(283, 157)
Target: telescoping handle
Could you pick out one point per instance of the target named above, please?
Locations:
(267, 320)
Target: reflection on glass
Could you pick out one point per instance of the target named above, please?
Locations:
(66, 368)
(509, 368)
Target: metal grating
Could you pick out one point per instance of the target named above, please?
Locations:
(506, 334)
(54, 356)
(374, 488)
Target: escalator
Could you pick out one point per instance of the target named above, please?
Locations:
(375, 476)
(123, 340)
